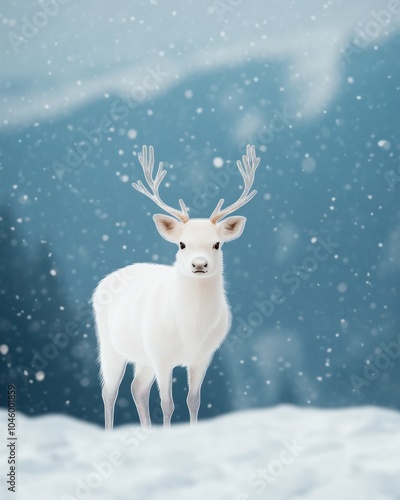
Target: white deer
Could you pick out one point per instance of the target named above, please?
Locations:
(158, 317)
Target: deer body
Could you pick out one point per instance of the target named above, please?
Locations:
(192, 316)
(158, 317)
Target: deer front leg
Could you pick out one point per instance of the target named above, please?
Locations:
(196, 373)
(140, 388)
(164, 382)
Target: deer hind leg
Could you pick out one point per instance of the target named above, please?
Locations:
(164, 382)
(112, 367)
(196, 373)
(140, 388)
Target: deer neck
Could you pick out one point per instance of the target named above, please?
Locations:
(207, 293)
(199, 305)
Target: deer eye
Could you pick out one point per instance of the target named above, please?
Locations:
(216, 246)
(182, 245)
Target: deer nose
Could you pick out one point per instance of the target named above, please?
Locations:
(199, 265)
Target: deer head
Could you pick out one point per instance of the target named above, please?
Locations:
(199, 240)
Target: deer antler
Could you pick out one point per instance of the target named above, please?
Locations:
(147, 163)
(247, 170)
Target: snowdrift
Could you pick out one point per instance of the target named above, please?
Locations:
(280, 453)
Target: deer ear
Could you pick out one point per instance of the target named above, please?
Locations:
(231, 228)
(168, 227)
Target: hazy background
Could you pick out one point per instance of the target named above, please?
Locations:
(315, 87)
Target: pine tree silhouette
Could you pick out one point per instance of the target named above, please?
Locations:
(45, 353)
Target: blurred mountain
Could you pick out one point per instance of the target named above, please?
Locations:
(66, 189)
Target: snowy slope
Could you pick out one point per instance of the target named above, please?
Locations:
(280, 453)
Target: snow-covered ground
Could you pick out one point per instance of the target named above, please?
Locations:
(280, 453)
